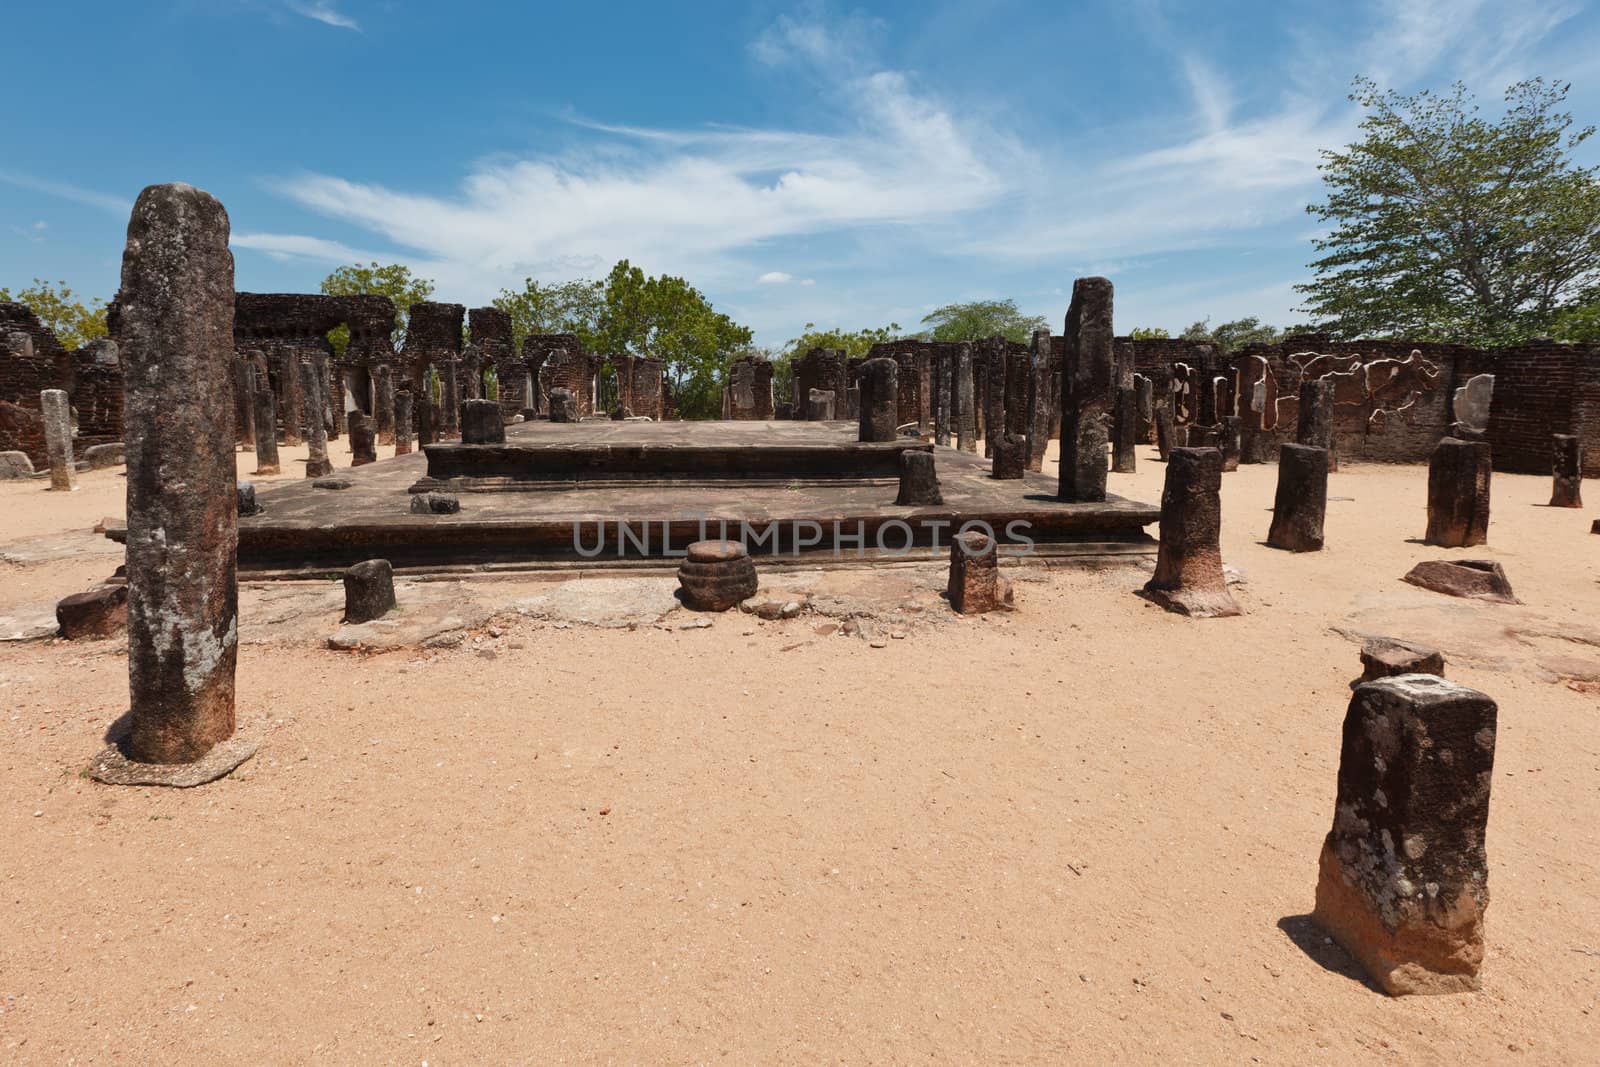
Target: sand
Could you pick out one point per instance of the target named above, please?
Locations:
(1083, 832)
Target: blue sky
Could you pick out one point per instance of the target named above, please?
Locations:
(846, 166)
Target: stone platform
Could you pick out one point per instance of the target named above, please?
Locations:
(629, 521)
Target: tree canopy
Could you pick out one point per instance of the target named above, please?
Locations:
(978, 319)
(58, 307)
(393, 280)
(1232, 336)
(563, 307)
(1445, 225)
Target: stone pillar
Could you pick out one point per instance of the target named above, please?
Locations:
(369, 585)
(383, 401)
(1458, 494)
(1124, 460)
(58, 438)
(1040, 397)
(880, 412)
(1144, 390)
(975, 585)
(1010, 459)
(944, 371)
(1302, 500)
(994, 396)
(481, 423)
(919, 481)
(965, 391)
(176, 305)
(1403, 880)
(1086, 387)
(266, 422)
(1568, 470)
(313, 387)
(1189, 578)
(1316, 418)
(1230, 439)
(402, 422)
(450, 400)
(332, 421)
(363, 430)
(563, 406)
(923, 364)
(819, 405)
(245, 376)
(1164, 431)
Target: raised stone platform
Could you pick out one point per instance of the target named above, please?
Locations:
(623, 521)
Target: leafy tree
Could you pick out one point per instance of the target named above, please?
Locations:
(393, 280)
(565, 307)
(1148, 333)
(1232, 336)
(979, 319)
(855, 343)
(59, 308)
(1580, 322)
(1446, 225)
(666, 318)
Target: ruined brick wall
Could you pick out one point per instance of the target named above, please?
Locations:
(97, 393)
(32, 359)
(570, 368)
(1535, 390)
(1586, 407)
(639, 385)
(747, 390)
(820, 368)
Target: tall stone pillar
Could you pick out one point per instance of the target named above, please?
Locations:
(923, 364)
(176, 303)
(994, 396)
(450, 400)
(1403, 878)
(1458, 494)
(1189, 578)
(383, 401)
(1567, 467)
(246, 377)
(1301, 503)
(1124, 460)
(944, 371)
(314, 386)
(58, 439)
(880, 404)
(1041, 397)
(266, 422)
(1315, 427)
(965, 401)
(1086, 390)
(1206, 382)
(402, 422)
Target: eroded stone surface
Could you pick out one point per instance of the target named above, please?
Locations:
(717, 575)
(368, 591)
(266, 432)
(1476, 579)
(879, 399)
(1189, 578)
(975, 585)
(434, 504)
(1403, 877)
(1458, 494)
(481, 423)
(1387, 657)
(98, 612)
(919, 480)
(1567, 469)
(1301, 503)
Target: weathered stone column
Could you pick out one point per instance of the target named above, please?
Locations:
(944, 371)
(1164, 430)
(481, 423)
(1316, 418)
(383, 402)
(176, 305)
(879, 399)
(819, 405)
(329, 393)
(924, 369)
(266, 423)
(1124, 460)
(1041, 397)
(1403, 879)
(1568, 470)
(1230, 439)
(1145, 407)
(1086, 389)
(1189, 578)
(402, 422)
(1458, 494)
(245, 375)
(919, 481)
(994, 396)
(975, 586)
(363, 431)
(1302, 500)
(58, 438)
(1010, 457)
(312, 386)
(450, 399)
(966, 399)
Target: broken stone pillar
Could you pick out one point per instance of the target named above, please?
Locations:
(245, 375)
(1403, 881)
(266, 422)
(99, 612)
(481, 423)
(1316, 418)
(176, 304)
(383, 402)
(1010, 460)
(919, 481)
(1302, 500)
(450, 400)
(966, 394)
(975, 585)
(1458, 494)
(368, 590)
(363, 430)
(427, 417)
(1145, 405)
(1041, 404)
(1475, 579)
(1126, 423)
(402, 422)
(1086, 390)
(819, 405)
(1230, 440)
(1189, 578)
(1568, 469)
(880, 413)
(58, 438)
(1164, 431)
(563, 406)
(312, 386)
(944, 370)
(1387, 657)
(716, 575)
(245, 494)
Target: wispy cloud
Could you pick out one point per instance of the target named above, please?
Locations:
(286, 246)
(66, 191)
(324, 13)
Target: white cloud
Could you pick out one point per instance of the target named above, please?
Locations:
(66, 191)
(774, 277)
(286, 246)
(324, 13)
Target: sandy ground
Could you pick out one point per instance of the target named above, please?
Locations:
(1083, 832)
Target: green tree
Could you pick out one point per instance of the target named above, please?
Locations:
(979, 319)
(666, 318)
(564, 307)
(1445, 225)
(1580, 321)
(59, 308)
(1232, 336)
(855, 343)
(393, 280)
(1148, 333)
